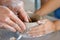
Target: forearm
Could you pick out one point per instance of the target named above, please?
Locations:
(48, 7)
(44, 1)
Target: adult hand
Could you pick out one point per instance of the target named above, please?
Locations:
(10, 21)
(17, 6)
(45, 27)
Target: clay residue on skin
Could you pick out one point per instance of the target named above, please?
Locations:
(42, 29)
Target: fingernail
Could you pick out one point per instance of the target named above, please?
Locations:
(26, 20)
(29, 20)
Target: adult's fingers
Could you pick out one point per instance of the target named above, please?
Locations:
(37, 34)
(6, 26)
(39, 27)
(12, 24)
(21, 11)
(37, 31)
(17, 21)
(23, 15)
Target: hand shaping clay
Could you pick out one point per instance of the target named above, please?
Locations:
(45, 28)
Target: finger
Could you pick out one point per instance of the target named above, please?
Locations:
(29, 19)
(23, 15)
(37, 34)
(10, 14)
(37, 27)
(6, 26)
(14, 25)
(17, 21)
(36, 31)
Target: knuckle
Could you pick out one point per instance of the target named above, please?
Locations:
(6, 19)
(3, 18)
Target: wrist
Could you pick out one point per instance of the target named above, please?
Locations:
(57, 25)
(57, 28)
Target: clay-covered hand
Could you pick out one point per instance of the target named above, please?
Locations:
(10, 21)
(17, 6)
(45, 27)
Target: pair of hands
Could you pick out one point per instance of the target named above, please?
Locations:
(9, 12)
(9, 19)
